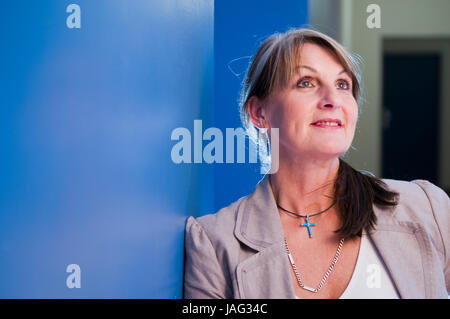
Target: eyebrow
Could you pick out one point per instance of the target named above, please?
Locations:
(314, 70)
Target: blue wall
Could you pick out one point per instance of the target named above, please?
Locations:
(85, 122)
(86, 116)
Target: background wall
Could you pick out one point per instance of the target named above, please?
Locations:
(86, 117)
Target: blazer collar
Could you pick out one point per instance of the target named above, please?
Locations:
(258, 223)
(266, 274)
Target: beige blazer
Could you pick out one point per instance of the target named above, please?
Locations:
(239, 251)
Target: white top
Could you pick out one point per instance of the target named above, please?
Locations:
(370, 279)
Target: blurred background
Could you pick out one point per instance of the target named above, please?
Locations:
(86, 117)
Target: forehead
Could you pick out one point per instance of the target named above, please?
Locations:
(318, 58)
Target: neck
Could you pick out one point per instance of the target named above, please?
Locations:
(305, 186)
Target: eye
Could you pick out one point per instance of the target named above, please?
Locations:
(343, 84)
(305, 82)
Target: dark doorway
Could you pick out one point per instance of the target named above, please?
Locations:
(410, 116)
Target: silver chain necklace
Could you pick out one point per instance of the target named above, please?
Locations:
(324, 278)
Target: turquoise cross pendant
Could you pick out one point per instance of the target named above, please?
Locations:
(308, 224)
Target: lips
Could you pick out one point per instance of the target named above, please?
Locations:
(328, 122)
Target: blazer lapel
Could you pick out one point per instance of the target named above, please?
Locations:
(265, 274)
(403, 248)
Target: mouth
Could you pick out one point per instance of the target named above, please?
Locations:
(328, 123)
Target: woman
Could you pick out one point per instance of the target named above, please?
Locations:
(317, 228)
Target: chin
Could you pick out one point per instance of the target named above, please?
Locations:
(320, 155)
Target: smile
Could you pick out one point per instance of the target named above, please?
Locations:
(328, 123)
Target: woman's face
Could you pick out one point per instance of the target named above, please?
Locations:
(316, 113)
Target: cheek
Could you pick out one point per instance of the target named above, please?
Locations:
(286, 115)
(352, 112)
(353, 118)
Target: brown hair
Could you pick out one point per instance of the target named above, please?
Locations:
(271, 68)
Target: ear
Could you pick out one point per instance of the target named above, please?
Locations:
(256, 111)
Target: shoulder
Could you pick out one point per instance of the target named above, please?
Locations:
(419, 195)
(419, 200)
(425, 204)
(208, 242)
(218, 226)
(413, 187)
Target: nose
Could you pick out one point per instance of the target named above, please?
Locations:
(329, 99)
